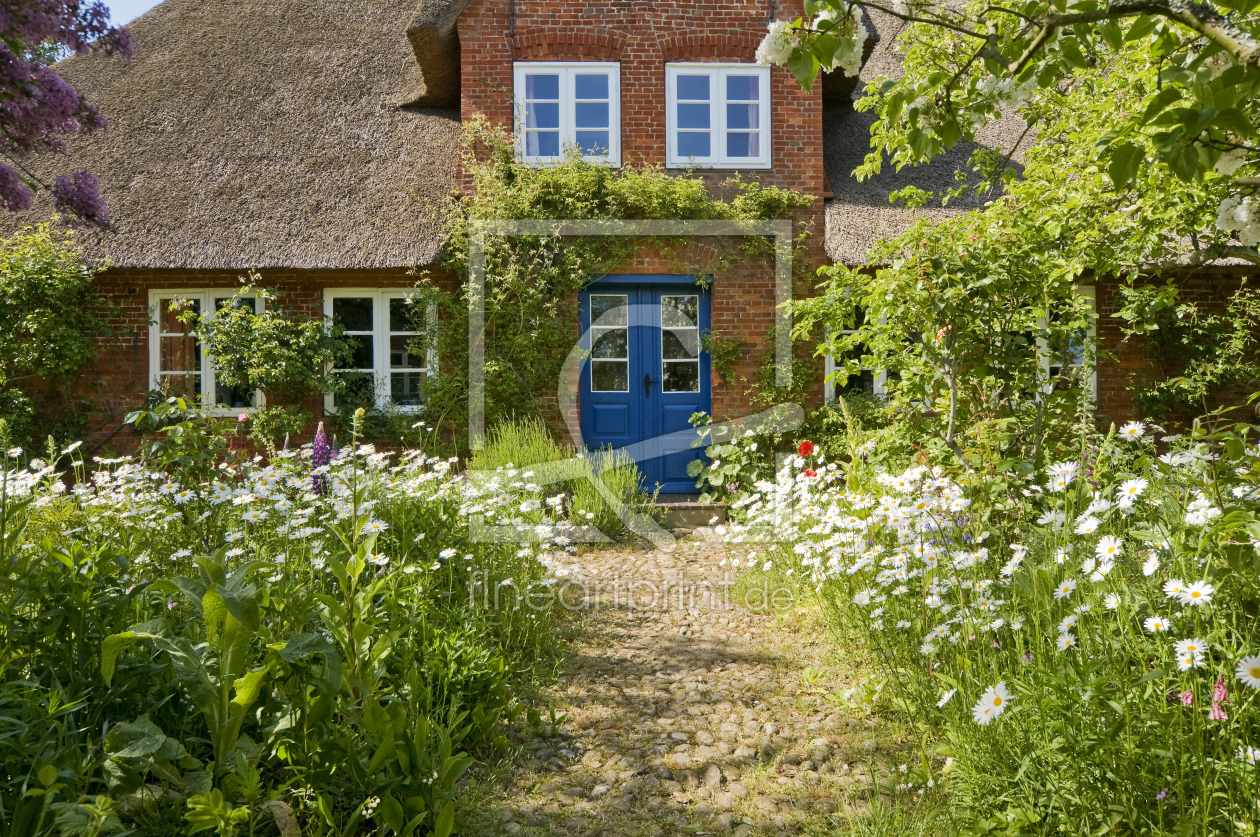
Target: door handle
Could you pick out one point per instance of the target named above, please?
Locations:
(647, 385)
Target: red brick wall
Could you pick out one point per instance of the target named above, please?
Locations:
(121, 373)
(1122, 360)
(643, 37)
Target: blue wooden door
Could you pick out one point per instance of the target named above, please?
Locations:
(646, 375)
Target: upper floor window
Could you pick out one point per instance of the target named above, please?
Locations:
(717, 116)
(562, 105)
(178, 362)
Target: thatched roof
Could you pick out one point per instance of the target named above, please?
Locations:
(860, 215)
(263, 134)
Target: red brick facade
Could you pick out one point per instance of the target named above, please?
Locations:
(643, 38)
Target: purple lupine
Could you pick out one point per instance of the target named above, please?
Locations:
(321, 455)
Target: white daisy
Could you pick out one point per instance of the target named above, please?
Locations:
(1174, 588)
(1109, 547)
(1111, 601)
(1154, 624)
(991, 704)
(1248, 671)
(940, 704)
(1133, 431)
(1065, 589)
(1066, 640)
(1199, 593)
(1150, 565)
(1088, 525)
(1133, 487)
(1193, 646)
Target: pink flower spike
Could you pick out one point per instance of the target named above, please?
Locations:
(243, 417)
(1216, 713)
(1187, 698)
(1219, 695)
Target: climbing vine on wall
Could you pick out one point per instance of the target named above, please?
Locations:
(532, 282)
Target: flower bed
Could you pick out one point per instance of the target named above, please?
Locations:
(1083, 658)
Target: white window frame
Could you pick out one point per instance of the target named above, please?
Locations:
(206, 296)
(830, 368)
(568, 106)
(380, 342)
(1091, 336)
(717, 116)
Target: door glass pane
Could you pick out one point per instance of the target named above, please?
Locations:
(608, 310)
(681, 376)
(742, 117)
(693, 145)
(354, 313)
(542, 143)
(693, 117)
(593, 143)
(591, 115)
(680, 311)
(679, 343)
(610, 343)
(610, 376)
(542, 114)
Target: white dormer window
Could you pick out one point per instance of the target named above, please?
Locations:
(717, 116)
(562, 105)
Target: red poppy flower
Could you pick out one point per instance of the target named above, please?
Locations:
(806, 448)
(810, 472)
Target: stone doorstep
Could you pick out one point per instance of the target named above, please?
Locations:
(689, 515)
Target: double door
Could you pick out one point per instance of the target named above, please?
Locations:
(646, 375)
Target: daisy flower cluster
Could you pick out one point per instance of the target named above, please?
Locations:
(1130, 568)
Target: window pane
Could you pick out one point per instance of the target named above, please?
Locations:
(188, 386)
(680, 311)
(693, 87)
(742, 117)
(591, 114)
(590, 86)
(742, 88)
(246, 302)
(608, 309)
(361, 348)
(179, 354)
(238, 398)
(542, 86)
(610, 376)
(406, 315)
(542, 115)
(593, 143)
(679, 344)
(681, 377)
(542, 144)
(169, 320)
(693, 145)
(400, 356)
(355, 389)
(406, 388)
(354, 313)
(693, 116)
(743, 145)
(609, 343)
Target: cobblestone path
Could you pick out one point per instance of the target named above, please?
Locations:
(689, 713)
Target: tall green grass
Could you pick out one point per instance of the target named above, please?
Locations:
(521, 443)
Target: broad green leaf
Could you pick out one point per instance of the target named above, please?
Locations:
(140, 737)
(445, 821)
(1160, 102)
(248, 687)
(1125, 161)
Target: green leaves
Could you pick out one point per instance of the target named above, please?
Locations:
(1125, 161)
